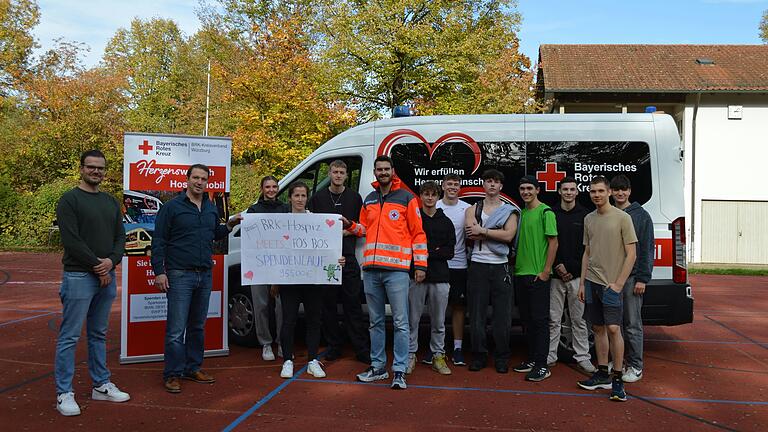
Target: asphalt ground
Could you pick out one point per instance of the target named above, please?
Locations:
(708, 375)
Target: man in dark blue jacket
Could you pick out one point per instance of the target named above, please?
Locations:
(641, 274)
(181, 259)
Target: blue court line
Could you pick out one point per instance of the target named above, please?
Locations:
(538, 393)
(264, 400)
(707, 342)
(27, 310)
(26, 319)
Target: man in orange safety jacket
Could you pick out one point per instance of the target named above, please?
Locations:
(390, 221)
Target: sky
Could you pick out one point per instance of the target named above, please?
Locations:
(94, 22)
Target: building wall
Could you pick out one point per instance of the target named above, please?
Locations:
(730, 156)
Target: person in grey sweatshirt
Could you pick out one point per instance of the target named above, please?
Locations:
(621, 189)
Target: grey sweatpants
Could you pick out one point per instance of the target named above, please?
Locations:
(260, 297)
(560, 292)
(632, 328)
(436, 295)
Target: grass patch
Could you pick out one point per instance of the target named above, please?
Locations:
(33, 249)
(729, 271)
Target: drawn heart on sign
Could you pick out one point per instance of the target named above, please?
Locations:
(248, 275)
(286, 236)
(330, 222)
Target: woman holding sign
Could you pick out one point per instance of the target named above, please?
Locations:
(292, 295)
(267, 203)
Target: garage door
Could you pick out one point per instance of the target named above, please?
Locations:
(734, 232)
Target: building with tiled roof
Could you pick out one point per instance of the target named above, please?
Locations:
(718, 96)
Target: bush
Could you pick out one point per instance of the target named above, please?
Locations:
(26, 218)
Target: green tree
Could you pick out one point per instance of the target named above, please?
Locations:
(385, 53)
(764, 27)
(281, 114)
(17, 19)
(165, 79)
(65, 110)
(262, 55)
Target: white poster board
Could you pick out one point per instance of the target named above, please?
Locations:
(290, 248)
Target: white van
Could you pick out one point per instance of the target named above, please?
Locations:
(645, 147)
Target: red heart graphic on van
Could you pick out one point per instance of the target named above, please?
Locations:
(286, 236)
(459, 154)
(385, 148)
(330, 222)
(248, 275)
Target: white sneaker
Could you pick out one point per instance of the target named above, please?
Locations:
(280, 351)
(315, 368)
(411, 365)
(66, 405)
(109, 392)
(287, 371)
(586, 367)
(632, 375)
(267, 354)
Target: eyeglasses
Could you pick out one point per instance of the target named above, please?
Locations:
(95, 168)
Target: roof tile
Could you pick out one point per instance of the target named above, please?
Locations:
(657, 68)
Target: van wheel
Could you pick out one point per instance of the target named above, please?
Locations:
(565, 350)
(242, 328)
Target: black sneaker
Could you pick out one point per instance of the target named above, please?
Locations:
(363, 357)
(371, 375)
(598, 380)
(524, 367)
(332, 354)
(502, 366)
(398, 382)
(428, 359)
(458, 357)
(479, 361)
(538, 374)
(617, 391)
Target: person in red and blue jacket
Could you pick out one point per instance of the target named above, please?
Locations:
(390, 221)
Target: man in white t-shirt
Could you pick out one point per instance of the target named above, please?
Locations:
(455, 209)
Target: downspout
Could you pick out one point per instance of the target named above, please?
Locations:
(693, 173)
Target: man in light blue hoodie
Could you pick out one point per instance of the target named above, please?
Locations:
(491, 226)
(634, 288)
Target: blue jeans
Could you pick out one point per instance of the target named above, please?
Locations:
(380, 285)
(188, 295)
(82, 298)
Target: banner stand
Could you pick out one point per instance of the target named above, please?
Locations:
(154, 172)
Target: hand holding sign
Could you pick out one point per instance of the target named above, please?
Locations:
(291, 248)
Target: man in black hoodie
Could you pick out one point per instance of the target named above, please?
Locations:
(339, 199)
(267, 203)
(441, 240)
(565, 277)
(641, 274)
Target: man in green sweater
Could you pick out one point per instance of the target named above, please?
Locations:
(93, 237)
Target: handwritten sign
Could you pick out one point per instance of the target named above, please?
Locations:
(290, 248)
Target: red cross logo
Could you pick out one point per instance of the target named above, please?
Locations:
(550, 176)
(145, 147)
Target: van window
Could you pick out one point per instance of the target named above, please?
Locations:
(317, 175)
(549, 161)
(584, 160)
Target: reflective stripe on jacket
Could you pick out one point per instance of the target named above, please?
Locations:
(392, 229)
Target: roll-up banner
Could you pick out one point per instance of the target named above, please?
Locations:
(155, 171)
